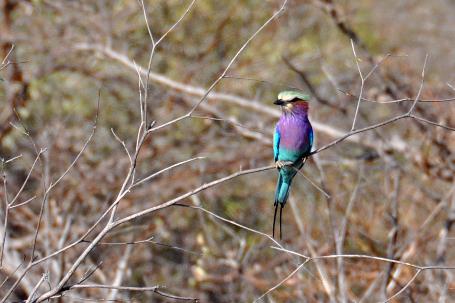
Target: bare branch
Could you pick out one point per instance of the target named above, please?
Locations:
(358, 256)
(451, 99)
(282, 281)
(321, 127)
(95, 123)
(5, 60)
(416, 99)
(215, 83)
(154, 175)
(404, 287)
(432, 123)
(121, 268)
(123, 144)
(37, 286)
(156, 289)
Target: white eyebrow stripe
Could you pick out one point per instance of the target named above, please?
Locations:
(287, 98)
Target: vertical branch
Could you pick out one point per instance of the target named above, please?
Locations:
(393, 234)
(10, 204)
(322, 271)
(362, 83)
(152, 52)
(445, 277)
(149, 67)
(328, 198)
(420, 88)
(5, 220)
(363, 79)
(121, 269)
(340, 238)
(141, 102)
(441, 249)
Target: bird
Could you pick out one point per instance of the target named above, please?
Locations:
(292, 143)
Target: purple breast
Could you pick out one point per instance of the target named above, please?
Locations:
(294, 132)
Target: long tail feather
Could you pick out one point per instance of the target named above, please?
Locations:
(283, 187)
(281, 229)
(281, 196)
(274, 219)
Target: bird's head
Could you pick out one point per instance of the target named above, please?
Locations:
(292, 100)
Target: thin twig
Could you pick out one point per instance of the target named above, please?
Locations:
(154, 175)
(362, 80)
(234, 58)
(4, 61)
(156, 289)
(451, 99)
(231, 222)
(123, 144)
(416, 99)
(359, 256)
(282, 281)
(35, 289)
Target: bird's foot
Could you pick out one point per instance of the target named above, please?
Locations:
(280, 164)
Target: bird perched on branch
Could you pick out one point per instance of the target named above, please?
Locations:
(292, 142)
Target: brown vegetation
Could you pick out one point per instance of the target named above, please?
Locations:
(136, 158)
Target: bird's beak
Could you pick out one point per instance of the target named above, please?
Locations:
(279, 102)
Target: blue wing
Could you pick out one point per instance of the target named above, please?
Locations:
(276, 143)
(311, 139)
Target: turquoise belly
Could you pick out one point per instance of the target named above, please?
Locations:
(290, 155)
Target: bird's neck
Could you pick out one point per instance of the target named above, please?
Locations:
(299, 110)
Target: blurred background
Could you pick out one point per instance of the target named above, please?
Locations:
(391, 189)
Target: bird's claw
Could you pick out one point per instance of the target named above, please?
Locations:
(280, 164)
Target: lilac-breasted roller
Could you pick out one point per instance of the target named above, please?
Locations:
(292, 142)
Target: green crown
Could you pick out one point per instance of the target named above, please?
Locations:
(288, 95)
